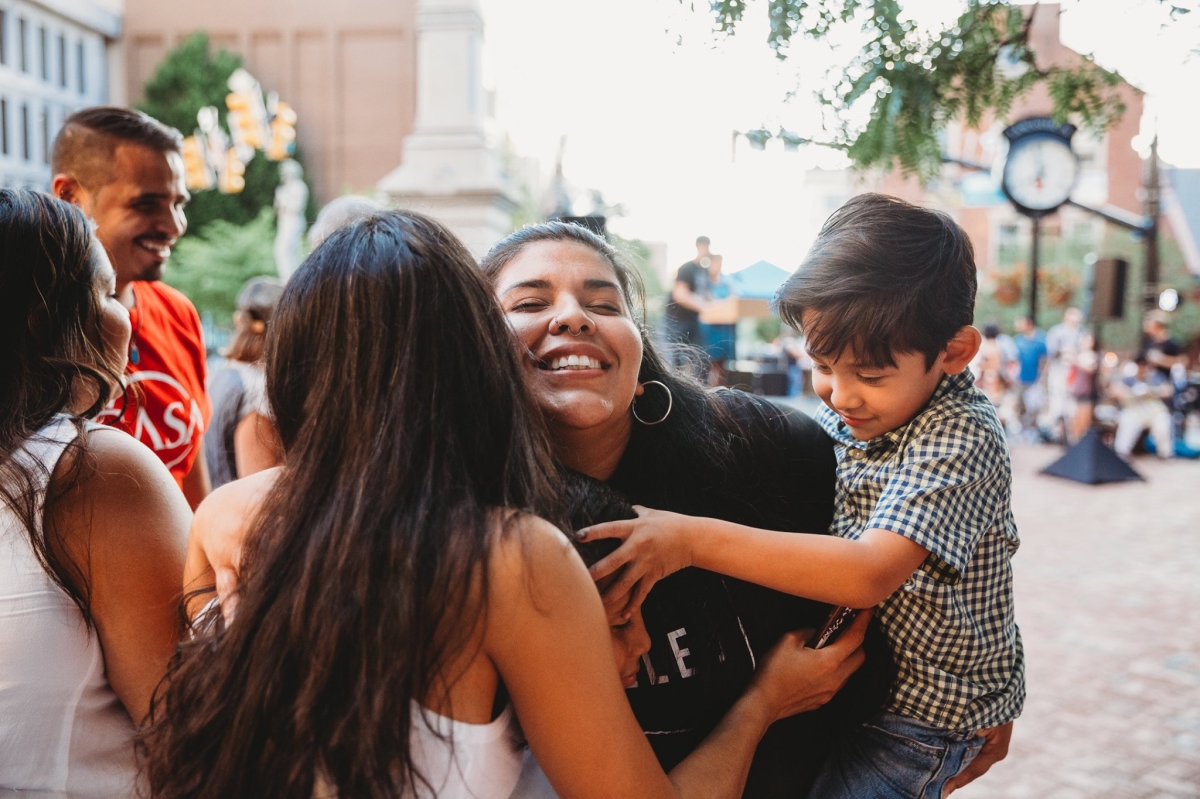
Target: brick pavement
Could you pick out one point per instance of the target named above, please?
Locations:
(1108, 601)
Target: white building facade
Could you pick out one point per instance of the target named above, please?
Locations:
(55, 58)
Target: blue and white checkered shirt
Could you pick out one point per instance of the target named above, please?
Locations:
(944, 481)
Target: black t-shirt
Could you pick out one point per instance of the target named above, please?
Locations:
(695, 277)
(708, 631)
(1169, 347)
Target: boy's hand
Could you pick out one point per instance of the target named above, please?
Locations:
(656, 544)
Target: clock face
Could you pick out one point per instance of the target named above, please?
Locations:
(1040, 172)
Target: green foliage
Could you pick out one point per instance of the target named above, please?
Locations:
(767, 330)
(915, 82)
(189, 78)
(210, 267)
(637, 253)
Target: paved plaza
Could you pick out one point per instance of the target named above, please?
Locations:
(1108, 601)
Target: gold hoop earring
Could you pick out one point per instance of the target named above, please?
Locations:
(670, 404)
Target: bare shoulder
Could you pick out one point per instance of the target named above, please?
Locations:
(118, 479)
(123, 513)
(237, 501)
(533, 561)
(523, 539)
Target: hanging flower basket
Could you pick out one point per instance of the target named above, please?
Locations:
(1059, 285)
(1008, 288)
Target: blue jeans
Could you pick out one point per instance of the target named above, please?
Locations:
(893, 757)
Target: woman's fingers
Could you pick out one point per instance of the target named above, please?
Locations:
(618, 596)
(227, 582)
(610, 563)
(619, 529)
(853, 637)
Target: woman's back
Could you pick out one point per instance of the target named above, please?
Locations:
(62, 728)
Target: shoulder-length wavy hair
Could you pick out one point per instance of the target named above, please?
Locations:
(50, 321)
(699, 422)
(405, 425)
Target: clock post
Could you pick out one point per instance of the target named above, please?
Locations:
(1039, 175)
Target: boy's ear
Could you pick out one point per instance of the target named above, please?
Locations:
(961, 349)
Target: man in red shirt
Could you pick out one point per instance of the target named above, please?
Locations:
(125, 170)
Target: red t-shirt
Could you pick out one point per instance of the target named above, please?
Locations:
(166, 407)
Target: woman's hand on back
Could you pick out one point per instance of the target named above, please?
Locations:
(656, 545)
(214, 554)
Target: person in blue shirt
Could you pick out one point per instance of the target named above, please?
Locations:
(1031, 357)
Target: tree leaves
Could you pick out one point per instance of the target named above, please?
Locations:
(188, 79)
(917, 81)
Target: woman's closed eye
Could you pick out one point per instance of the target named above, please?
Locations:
(529, 305)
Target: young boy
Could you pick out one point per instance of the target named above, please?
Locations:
(924, 527)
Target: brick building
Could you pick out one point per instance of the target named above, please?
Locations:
(348, 68)
(56, 56)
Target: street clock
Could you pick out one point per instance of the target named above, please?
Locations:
(1041, 168)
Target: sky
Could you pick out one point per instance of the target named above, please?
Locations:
(648, 98)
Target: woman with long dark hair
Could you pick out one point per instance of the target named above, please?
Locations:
(92, 526)
(400, 596)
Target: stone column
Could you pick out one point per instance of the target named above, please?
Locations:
(447, 169)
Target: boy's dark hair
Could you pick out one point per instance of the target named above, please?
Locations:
(884, 276)
(84, 147)
(588, 501)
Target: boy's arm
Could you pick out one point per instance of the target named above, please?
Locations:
(951, 486)
(857, 573)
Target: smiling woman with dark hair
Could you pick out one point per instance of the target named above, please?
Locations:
(618, 413)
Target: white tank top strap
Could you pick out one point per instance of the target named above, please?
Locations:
(466, 761)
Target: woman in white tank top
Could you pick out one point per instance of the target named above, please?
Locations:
(396, 587)
(91, 523)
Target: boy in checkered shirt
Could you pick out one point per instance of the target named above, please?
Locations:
(924, 527)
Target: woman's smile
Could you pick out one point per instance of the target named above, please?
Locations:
(565, 304)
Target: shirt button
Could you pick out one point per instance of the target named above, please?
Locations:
(857, 454)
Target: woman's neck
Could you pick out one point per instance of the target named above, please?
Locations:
(595, 451)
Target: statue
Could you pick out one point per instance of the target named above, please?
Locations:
(291, 200)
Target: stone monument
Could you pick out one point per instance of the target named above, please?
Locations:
(291, 199)
(447, 170)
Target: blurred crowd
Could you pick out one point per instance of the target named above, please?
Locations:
(1056, 385)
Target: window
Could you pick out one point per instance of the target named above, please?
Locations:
(3, 126)
(21, 44)
(44, 52)
(25, 131)
(45, 135)
(62, 60)
(1010, 235)
(3, 36)
(81, 66)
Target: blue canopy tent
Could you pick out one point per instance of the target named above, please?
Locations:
(758, 281)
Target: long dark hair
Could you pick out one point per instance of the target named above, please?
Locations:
(405, 426)
(699, 421)
(50, 325)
